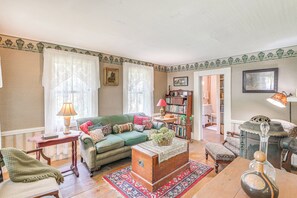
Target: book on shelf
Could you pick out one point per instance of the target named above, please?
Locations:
(180, 131)
(176, 109)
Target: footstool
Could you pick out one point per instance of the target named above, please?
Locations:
(219, 154)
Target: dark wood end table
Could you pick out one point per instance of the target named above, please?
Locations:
(72, 137)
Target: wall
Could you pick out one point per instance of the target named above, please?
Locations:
(190, 75)
(21, 98)
(246, 105)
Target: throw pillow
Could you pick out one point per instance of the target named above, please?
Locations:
(158, 125)
(139, 119)
(84, 127)
(107, 129)
(148, 124)
(120, 128)
(97, 135)
(95, 126)
(139, 128)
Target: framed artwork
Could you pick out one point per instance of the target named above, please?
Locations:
(111, 76)
(180, 81)
(260, 81)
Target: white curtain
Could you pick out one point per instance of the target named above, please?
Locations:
(69, 77)
(138, 88)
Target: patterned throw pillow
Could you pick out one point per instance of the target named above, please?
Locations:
(148, 124)
(138, 127)
(84, 127)
(97, 135)
(95, 126)
(120, 128)
(139, 119)
(106, 129)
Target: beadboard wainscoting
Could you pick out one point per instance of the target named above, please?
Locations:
(19, 139)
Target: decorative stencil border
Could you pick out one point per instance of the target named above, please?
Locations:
(38, 46)
(274, 54)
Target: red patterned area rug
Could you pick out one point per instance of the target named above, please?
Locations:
(123, 182)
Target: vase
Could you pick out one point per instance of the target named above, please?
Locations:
(255, 183)
(269, 170)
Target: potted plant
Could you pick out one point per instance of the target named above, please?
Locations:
(163, 137)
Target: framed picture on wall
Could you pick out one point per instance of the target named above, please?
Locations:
(111, 76)
(180, 81)
(260, 81)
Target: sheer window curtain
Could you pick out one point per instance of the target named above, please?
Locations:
(138, 88)
(68, 77)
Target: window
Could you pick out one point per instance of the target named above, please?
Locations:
(69, 77)
(138, 85)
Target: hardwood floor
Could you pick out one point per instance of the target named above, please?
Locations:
(84, 186)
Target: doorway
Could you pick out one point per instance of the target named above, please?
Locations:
(198, 101)
(213, 108)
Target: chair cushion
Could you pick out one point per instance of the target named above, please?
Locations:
(111, 142)
(132, 138)
(219, 152)
(234, 141)
(26, 190)
(232, 148)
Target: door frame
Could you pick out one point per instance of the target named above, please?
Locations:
(198, 100)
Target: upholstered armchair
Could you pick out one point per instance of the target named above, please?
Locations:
(41, 188)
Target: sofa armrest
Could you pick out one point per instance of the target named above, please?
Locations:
(88, 150)
(87, 140)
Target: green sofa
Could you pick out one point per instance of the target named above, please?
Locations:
(115, 146)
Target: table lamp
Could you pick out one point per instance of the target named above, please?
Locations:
(67, 111)
(280, 99)
(162, 104)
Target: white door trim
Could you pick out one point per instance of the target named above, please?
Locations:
(198, 135)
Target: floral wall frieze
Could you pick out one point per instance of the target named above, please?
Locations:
(280, 53)
(38, 46)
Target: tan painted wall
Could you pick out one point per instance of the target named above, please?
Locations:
(246, 105)
(190, 75)
(21, 98)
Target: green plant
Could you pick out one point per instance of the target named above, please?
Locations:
(164, 134)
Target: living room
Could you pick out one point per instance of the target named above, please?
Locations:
(93, 85)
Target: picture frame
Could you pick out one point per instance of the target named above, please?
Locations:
(260, 81)
(180, 81)
(111, 76)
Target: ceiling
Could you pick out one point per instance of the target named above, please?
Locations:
(167, 32)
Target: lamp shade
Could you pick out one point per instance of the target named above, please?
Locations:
(278, 99)
(67, 110)
(161, 103)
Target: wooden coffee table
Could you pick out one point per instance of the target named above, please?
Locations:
(147, 170)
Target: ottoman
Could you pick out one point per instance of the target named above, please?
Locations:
(219, 153)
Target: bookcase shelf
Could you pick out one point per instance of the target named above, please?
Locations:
(179, 103)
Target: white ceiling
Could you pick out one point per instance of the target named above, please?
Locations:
(167, 32)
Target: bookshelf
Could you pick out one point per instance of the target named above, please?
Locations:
(222, 104)
(179, 103)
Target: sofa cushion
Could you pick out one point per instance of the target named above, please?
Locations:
(149, 133)
(132, 138)
(111, 142)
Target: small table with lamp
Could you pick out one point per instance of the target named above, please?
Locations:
(61, 139)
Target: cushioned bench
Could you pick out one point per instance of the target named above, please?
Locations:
(219, 153)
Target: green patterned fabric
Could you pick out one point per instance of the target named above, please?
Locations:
(24, 168)
(95, 126)
(111, 142)
(132, 138)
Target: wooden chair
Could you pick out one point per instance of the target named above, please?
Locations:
(41, 188)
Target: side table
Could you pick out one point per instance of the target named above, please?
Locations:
(165, 120)
(72, 137)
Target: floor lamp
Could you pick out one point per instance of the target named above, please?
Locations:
(281, 99)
